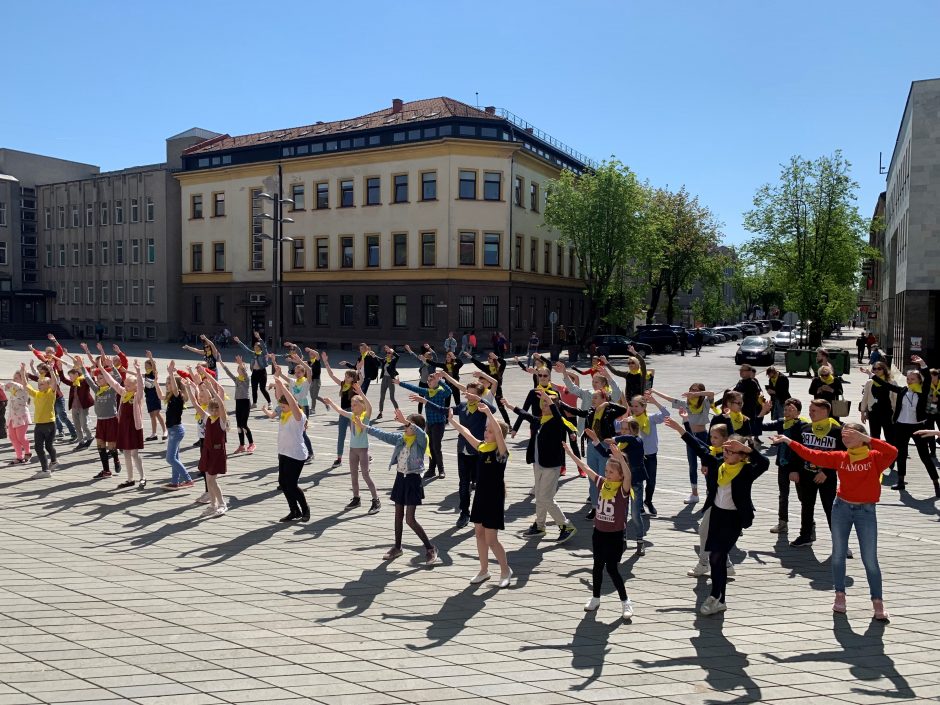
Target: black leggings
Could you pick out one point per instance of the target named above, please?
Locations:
(903, 432)
(435, 436)
(608, 550)
(259, 379)
(400, 514)
(242, 412)
(288, 475)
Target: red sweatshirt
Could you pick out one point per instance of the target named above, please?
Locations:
(858, 482)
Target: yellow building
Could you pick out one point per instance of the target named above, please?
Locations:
(407, 223)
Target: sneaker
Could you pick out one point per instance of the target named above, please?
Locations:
(171, 486)
(428, 475)
(210, 510)
(375, 507)
(780, 528)
(101, 475)
(801, 541)
(699, 570)
(592, 604)
(479, 578)
(650, 508)
(693, 498)
(566, 532)
(240, 449)
(504, 580)
(441, 474)
(462, 520)
(640, 548)
(219, 511)
(561, 473)
(305, 517)
(592, 512)
(250, 449)
(163, 437)
(142, 485)
(533, 531)
(186, 485)
(838, 604)
(126, 483)
(849, 554)
(627, 609)
(430, 556)
(881, 614)
(87, 442)
(337, 462)
(289, 517)
(53, 467)
(712, 606)
(354, 503)
(377, 418)
(203, 498)
(392, 554)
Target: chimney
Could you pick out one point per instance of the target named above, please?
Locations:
(490, 109)
(396, 105)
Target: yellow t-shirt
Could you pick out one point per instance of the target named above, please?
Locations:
(45, 403)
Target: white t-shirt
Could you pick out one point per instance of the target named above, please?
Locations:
(723, 498)
(290, 438)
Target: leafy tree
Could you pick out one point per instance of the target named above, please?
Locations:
(711, 306)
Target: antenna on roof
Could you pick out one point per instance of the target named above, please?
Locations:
(477, 94)
(882, 169)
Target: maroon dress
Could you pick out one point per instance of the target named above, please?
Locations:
(213, 458)
(129, 437)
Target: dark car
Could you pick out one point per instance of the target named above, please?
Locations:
(733, 332)
(619, 345)
(775, 323)
(658, 336)
(756, 349)
(710, 337)
(749, 328)
(682, 334)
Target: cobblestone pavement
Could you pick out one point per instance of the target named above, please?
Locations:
(127, 597)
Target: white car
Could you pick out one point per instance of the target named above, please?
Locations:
(784, 339)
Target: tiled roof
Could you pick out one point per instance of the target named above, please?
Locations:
(411, 112)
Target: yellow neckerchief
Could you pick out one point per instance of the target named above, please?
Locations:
(77, 382)
(644, 421)
(472, 407)
(829, 379)
(493, 369)
(432, 391)
(545, 419)
(773, 380)
(716, 409)
(200, 412)
(877, 381)
(737, 419)
(486, 447)
(213, 419)
(127, 396)
(449, 366)
(313, 360)
(915, 387)
(344, 387)
(716, 450)
(102, 389)
(609, 489)
(257, 351)
(388, 358)
(299, 382)
(365, 354)
(358, 422)
(545, 387)
(409, 441)
(934, 389)
(285, 415)
(240, 377)
(858, 454)
(787, 423)
(821, 428)
(728, 471)
(696, 404)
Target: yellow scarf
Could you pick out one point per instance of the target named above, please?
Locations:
(77, 382)
(915, 387)
(829, 379)
(728, 471)
(486, 447)
(876, 380)
(358, 422)
(716, 409)
(821, 428)
(365, 354)
(773, 380)
(716, 450)
(127, 396)
(493, 369)
(787, 423)
(241, 378)
(609, 489)
(103, 389)
(298, 383)
(345, 387)
(644, 421)
(472, 408)
(934, 389)
(858, 454)
(388, 358)
(409, 441)
(545, 419)
(285, 416)
(737, 419)
(213, 419)
(696, 404)
(432, 391)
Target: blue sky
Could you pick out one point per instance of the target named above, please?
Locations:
(713, 95)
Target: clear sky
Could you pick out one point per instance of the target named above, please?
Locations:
(713, 95)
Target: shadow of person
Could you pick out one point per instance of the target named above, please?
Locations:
(927, 507)
(863, 653)
(452, 617)
(801, 562)
(588, 647)
(687, 520)
(229, 549)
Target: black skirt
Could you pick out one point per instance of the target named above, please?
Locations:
(408, 490)
(724, 528)
(489, 500)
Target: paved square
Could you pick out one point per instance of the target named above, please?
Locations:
(127, 597)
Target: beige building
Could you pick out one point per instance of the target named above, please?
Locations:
(110, 249)
(408, 222)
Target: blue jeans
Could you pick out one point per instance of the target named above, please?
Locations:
(862, 516)
(61, 417)
(341, 437)
(174, 438)
(636, 512)
(597, 463)
(693, 458)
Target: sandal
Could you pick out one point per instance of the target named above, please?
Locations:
(881, 614)
(838, 605)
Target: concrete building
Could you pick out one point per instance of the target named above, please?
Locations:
(909, 283)
(871, 312)
(408, 222)
(110, 248)
(23, 301)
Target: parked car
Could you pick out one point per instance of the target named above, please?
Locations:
(710, 337)
(682, 334)
(763, 325)
(784, 339)
(749, 328)
(659, 336)
(619, 345)
(730, 331)
(756, 349)
(775, 324)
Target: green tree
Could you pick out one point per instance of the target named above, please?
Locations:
(602, 214)
(811, 238)
(711, 305)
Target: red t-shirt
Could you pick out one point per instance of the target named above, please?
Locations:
(858, 482)
(611, 513)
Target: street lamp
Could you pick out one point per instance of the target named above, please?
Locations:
(277, 239)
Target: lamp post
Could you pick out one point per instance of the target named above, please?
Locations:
(277, 239)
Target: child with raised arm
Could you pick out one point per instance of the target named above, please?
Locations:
(18, 418)
(613, 492)
(650, 436)
(437, 421)
(360, 416)
(259, 375)
(212, 460)
(79, 401)
(346, 392)
(489, 502)
(175, 396)
(209, 352)
(291, 451)
(44, 420)
(697, 403)
(130, 427)
(407, 493)
(152, 396)
(242, 404)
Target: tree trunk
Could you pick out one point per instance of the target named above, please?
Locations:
(655, 293)
(670, 309)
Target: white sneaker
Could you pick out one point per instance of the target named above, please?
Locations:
(42, 473)
(53, 467)
(479, 578)
(730, 570)
(693, 498)
(712, 606)
(780, 528)
(592, 604)
(219, 511)
(203, 498)
(209, 511)
(699, 570)
(627, 609)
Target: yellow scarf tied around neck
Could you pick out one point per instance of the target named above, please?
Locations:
(609, 489)
(486, 447)
(915, 387)
(364, 355)
(696, 404)
(358, 422)
(77, 382)
(241, 378)
(345, 387)
(286, 416)
(432, 391)
(787, 423)
(716, 450)
(858, 454)
(934, 389)
(493, 369)
(822, 428)
(829, 379)
(472, 407)
(737, 419)
(127, 396)
(644, 421)
(410, 440)
(103, 389)
(728, 471)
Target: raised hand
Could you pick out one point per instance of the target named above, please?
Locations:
(776, 439)
(591, 434)
(670, 422)
(400, 417)
(736, 446)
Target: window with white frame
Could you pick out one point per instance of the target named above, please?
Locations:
(3, 252)
(150, 332)
(150, 209)
(49, 256)
(135, 291)
(105, 253)
(151, 292)
(3, 214)
(90, 215)
(119, 292)
(105, 292)
(135, 210)
(103, 213)
(76, 257)
(76, 217)
(61, 299)
(135, 251)
(62, 255)
(90, 254)
(47, 218)
(76, 294)
(119, 252)
(119, 212)
(151, 250)
(90, 293)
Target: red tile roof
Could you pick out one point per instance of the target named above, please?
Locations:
(411, 112)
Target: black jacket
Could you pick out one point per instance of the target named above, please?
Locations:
(611, 413)
(920, 409)
(389, 367)
(786, 458)
(750, 390)
(370, 367)
(836, 392)
(781, 389)
(549, 436)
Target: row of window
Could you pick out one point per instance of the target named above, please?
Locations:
(3, 214)
(103, 291)
(3, 253)
(116, 332)
(100, 254)
(103, 212)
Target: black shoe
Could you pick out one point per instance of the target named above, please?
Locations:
(440, 474)
(305, 517)
(473, 486)
(463, 520)
(900, 486)
(650, 508)
(378, 417)
(337, 463)
(429, 475)
(290, 517)
(151, 438)
(802, 541)
(354, 503)
(640, 548)
(592, 512)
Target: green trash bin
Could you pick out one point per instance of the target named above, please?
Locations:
(799, 360)
(840, 358)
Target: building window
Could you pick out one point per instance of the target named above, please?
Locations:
(468, 185)
(428, 249)
(49, 256)
(372, 310)
(492, 185)
(429, 186)
(297, 196)
(297, 309)
(401, 311)
(218, 256)
(346, 194)
(517, 191)
(533, 255)
(135, 291)
(103, 211)
(323, 195)
(195, 257)
(323, 310)
(151, 332)
(427, 311)
(75, 216)
(571, 271)
(135, 251)
(465, 313)
(299, 260)
(47, 218)
(195, 206)
(135, 210)
(197, 309)
(519, 246)
(400, 191)
(105, 293)
(490, 311)
(373, 191)
(151, 250)
(570, 311)
(119, 212)
(346, 310)
(90, 254)
(546, 310)
(400, 249)
(346, 246)
(3, 215)
(531, 312)
(468, 249)
(559, 259)
(90, 215)
(323, 253)
(151, 292)
(61, 255)
(534, 197)
(119, 292)
(547, 263)
(119, 252)
(3, 253)
(76, 258)
(119, 332)
(372, 251)
(257, 228)
(517, 313)
(150, 209)
(490, 250)
(218, 204)
(76, 294)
